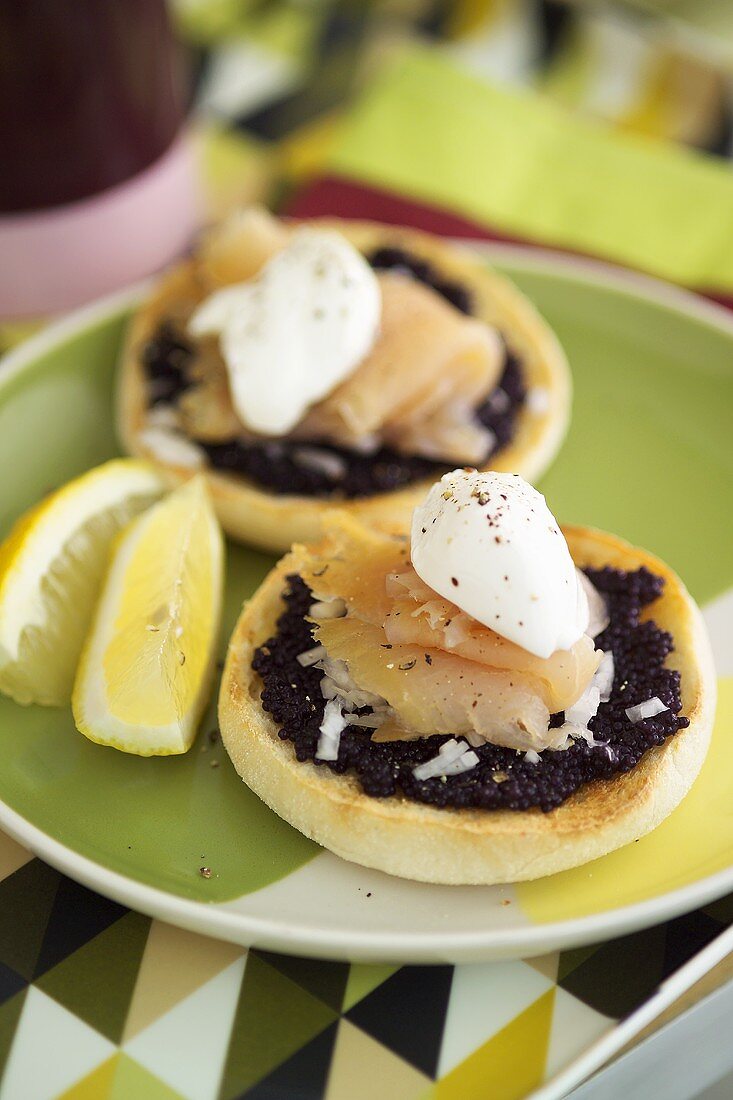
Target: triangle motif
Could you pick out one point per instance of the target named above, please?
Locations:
(77, 916)
(274, 1018)
(485, 997)
(620, 974)
(571, 960)
(165, 1048)
(96, 1084)
(71, 1050)
(12, 856)
(407, 1014)
(303, 1074)
(574, 1027)
(10, 1014)
(134, 1081)
(721, 911)
(325, 980)
(97, 981)
(361, 1068)
(548, 965)
(26, 900)
(685, 936)
(511, 1064)
(362, 979)
(162, 982)
(10, 983)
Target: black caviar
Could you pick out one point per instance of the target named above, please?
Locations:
(278, 465)
(396, 259)
(502, 779)
(165, 359)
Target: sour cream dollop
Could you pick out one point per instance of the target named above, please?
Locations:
(291, 334)
(489, 543)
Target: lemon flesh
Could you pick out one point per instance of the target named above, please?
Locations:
(145, 672)
(51, 568)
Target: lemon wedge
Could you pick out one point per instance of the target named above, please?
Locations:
(145, 669)
(51, 568)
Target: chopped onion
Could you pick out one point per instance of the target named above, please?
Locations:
(311, 656)
(366, 444)
(452, 749)
(172, 448)
(353, 699)
(337, 682)
(162, 416)
(333, 724)
(598, 617)
(329, 689)
(462, 764)
(334, 608)
(604, 676)
(580, 733)
(453, 758)
(328, 746)
(597, 692)
(368, 721)
(537, 400)
(585, 708)
(499, 400)
(532, 757)
(488, 440)
(324, 462)
(648, 709)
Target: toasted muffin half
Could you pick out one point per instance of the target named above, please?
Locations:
(472, 846)
(253, 514)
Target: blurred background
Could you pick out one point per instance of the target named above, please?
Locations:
(602, 128)
(285, 74)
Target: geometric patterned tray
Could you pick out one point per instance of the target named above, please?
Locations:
(128, 1007)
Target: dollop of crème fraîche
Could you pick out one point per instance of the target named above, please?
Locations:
(489, 543)
(296, 330)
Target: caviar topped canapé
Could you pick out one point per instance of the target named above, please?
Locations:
(309, 367)
(475, 666)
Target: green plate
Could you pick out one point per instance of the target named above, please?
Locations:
(648, 457)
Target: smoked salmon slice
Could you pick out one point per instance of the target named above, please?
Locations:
(236, 250)
(352, 564)
(417, 388)
(439, 670)
(430, 691)
(424, 618)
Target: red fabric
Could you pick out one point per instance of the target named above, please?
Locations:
(348, 199)
(345, 199)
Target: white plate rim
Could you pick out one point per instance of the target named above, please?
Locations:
(215, 919)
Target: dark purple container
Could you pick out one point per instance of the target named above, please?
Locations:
(97, 179)
(91, 93)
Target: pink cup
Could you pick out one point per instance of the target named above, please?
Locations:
(59, 258)
(97, 186)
